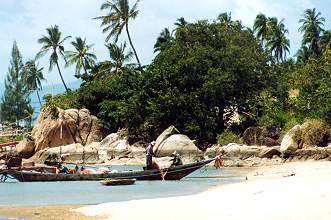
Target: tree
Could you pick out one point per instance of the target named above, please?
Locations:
(181, 22)
(118, 61)
(260, 27)
(277, 42)
(53, 43)
(303, 55)
(118, 56)
(15, 104)
(32, 77)
(325, 41)
(311, 27)
(163, 39)
(118, 18)
(82, 56)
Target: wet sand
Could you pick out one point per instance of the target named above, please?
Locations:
(43, 213)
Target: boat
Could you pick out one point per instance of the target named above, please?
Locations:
(171, 173)
(117, 182)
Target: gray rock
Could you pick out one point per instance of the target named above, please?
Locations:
(288, 143)
(163, 136)
(269, 153)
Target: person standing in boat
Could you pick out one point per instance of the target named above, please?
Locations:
(149, 156)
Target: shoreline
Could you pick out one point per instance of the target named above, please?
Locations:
(296, 190)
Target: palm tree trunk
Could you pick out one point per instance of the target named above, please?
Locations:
(64, 84)
(39, 98)
(130, 41)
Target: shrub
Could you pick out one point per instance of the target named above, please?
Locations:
(228, 137)
(315, 133)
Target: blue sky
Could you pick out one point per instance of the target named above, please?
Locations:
(26, 20)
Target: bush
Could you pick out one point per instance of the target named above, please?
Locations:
(315, 133)
(228, 137)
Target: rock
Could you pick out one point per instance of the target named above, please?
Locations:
(289, 143)
(114, 146)
(179, 143)
(25, 148)
(261, 136)
(269, 142)
(165, 134)
(213, 151)
(64, 127)
(240, 151)
(73, 153)
(269, 153)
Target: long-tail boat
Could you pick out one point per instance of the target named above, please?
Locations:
(171, 173)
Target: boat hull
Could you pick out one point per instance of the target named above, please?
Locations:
(172, 173)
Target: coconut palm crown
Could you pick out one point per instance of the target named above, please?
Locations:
(118, 17)
(53, 43)
(82, 56)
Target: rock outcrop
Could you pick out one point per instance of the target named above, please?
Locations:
(60, 128)
(115, 146)
(263, 136)
(171, 140)
(290, 142)
(75, 153)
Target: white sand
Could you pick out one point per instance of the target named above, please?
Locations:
(269, 195)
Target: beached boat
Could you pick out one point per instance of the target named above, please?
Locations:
(171, 173)
(117, 182)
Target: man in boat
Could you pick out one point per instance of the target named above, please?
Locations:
(176, 159)
(149, 156)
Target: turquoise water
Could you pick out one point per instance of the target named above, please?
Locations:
(63, 193)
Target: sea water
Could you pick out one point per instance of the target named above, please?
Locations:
(92, 192)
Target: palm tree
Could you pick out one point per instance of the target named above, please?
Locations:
(311, 28)
(181, 22)
(53, 43)
(225, 18)
(82, 56)
(32, 77)
(325, 42)
(260, 27)
(164, 38)
(277, 43)
(119, 59)
(118, 56)
(118, 17)
(303, 55)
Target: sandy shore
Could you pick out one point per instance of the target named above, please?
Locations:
(298, 190)
(43, 212)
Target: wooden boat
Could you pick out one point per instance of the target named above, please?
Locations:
(117, 182)
(171, 173)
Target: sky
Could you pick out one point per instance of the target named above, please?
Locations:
(26, 20)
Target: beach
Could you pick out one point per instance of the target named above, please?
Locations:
(298, 190)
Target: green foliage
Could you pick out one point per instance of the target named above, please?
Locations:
(228, 137)
(62, 101)
(314, 84)
(15, 104)
(315, 133)
(6, 139)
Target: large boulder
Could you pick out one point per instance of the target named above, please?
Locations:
(179, 143)
(261, 136)
(74, 153)
(240, 151)
(63, 127)
(114, 146)
(25, 148)
(163, 136)
(269, 152)
(290, 141)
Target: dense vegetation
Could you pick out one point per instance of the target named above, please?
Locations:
(202, 74)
